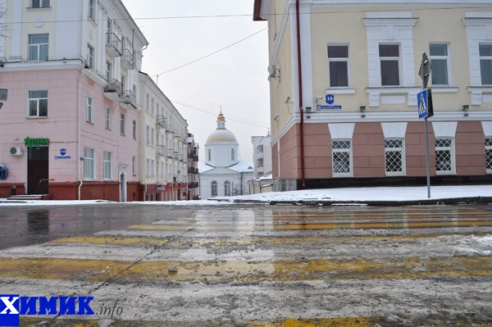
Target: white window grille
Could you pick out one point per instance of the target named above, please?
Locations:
(488, 154)
(394, 156)
(341, 157)
(444, 155)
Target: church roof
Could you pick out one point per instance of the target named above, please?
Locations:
(221, 134)
(241, 166)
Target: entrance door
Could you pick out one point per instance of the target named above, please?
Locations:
(38, 170)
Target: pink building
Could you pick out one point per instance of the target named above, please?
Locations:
(69, 128)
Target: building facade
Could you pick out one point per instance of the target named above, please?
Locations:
(222, 173)
(344, 79)
(163, 145)
(75, 122)
(193, 177)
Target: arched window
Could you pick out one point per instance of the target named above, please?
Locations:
(232, 154)
(227, 188)
(209, 154)
(214, 188)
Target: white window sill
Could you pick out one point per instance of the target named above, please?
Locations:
(340, 90)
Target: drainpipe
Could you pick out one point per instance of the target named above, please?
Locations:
(81, 181)
(299, 71)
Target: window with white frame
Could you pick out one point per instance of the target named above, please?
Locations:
(92, 9)
(389, 56)
(90, 56)
(439, 57)
(122, 124)
(38, 103)
(90, 111)
(107, 165)
(109, 70)
(147, 168)
(147, 134)
(109, 30)
(338, 65)
(341, 157)
(485, 51)
(227, 188)
(152, 136)
(488, 154)
(134, 129)
(108, 119)
(38, 47)
(214, 188)
(444, 148)
(134, 165)
(89, 163)
(394, 156)
(40, 3)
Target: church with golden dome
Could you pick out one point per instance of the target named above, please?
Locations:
(222, 173)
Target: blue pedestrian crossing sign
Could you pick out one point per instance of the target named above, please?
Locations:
(424, 101)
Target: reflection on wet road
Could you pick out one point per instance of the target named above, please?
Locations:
(263, 266)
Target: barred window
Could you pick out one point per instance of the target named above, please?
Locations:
(394, 156)
(488, 154)
(444, 155)
(341, 157)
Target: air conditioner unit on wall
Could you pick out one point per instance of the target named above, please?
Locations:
(15, 150)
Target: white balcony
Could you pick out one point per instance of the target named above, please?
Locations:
(127, 59)
(114, 90)
(129, 100)
(113, 44)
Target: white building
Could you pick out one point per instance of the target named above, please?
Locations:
(222, 173)
(262, 156)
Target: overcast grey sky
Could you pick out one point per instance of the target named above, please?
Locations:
(180, 33)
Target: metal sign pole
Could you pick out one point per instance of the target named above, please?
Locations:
(427, 164)
(424, 72)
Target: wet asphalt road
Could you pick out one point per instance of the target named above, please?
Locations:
(254, 265)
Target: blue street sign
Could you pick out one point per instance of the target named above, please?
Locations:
(330, 98)
(423, 104)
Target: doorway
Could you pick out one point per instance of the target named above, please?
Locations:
(38, 170)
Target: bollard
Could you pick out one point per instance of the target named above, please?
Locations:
(13, 190)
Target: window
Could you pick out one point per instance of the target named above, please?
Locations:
(38, 47)
(341, 156)
(147, 134)
(90, 57)
(90, 113)
(38, 103)
(109, 70)
(439, 61)
(389, 55)
(393, 153)
(89, 164)
(152, 136)
(444, 155)
(107, 166)
(209, 154)
(134, 165)
(134, 129)
(486, 63)
(122, 124)
(338, 65)
(227, 188)
(488, 154)
(40, 4)
(232, 154)
(92, 9)
(108, 119)
(214, 188)
(109, 30)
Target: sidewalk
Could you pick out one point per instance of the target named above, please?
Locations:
(382, 196)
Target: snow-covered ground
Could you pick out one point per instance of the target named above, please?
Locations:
(340, 195)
